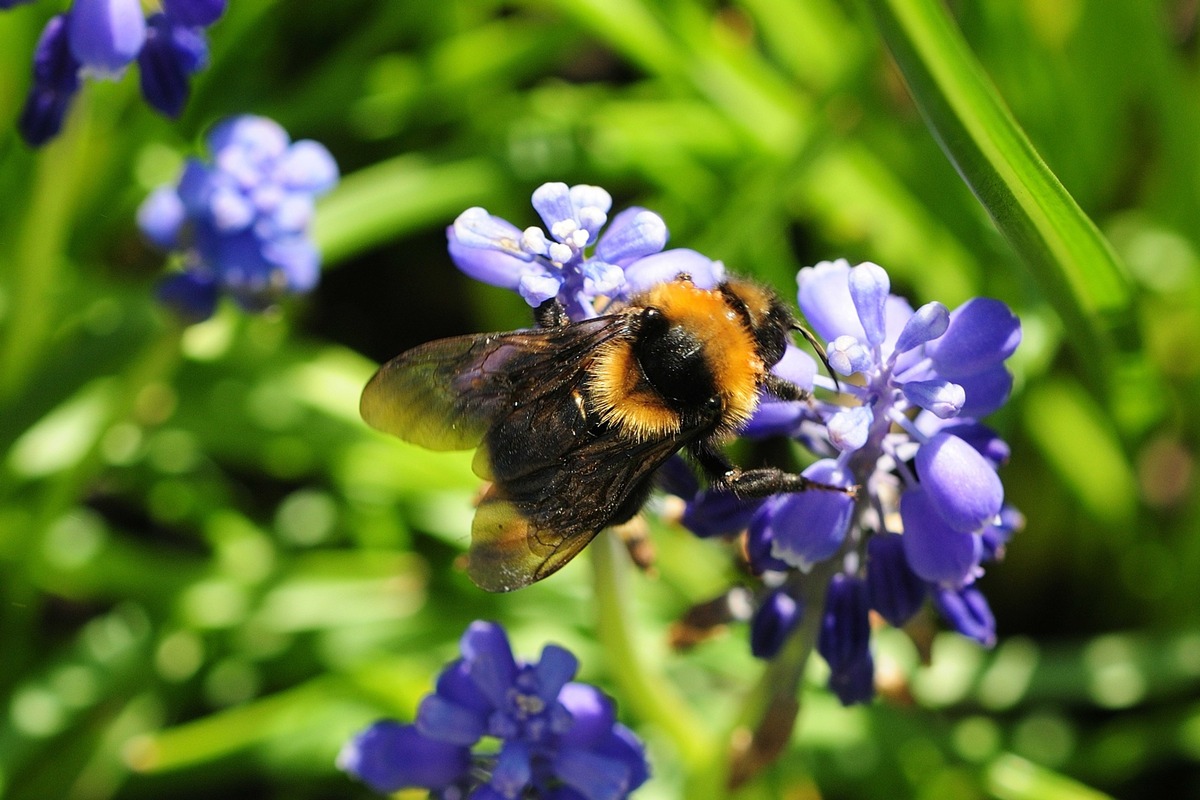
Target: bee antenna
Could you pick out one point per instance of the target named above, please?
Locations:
(816, 345)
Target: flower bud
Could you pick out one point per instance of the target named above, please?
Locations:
(850, 428)
(55, 81)
(936, 551)
(844, 640)
(847, 355)
(772, 623)
(961, 484)
(634, 233)
(869, 286)
(941, 398)
(896, 592)
(927, 323)
(968, 612)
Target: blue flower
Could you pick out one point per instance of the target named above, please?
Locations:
(427, 763)
(844, 640)
(773, 622)
(967, 610)
(241, 220)
(935, 549)
(895, 590)
(903, 429)
(106, 35)
(55, 81)
(556, 737)
(172, 53)
(195, 13)
(810, 526)
(575, 262)
(100, 39)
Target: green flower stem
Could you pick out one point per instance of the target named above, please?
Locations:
(652, 698)
(37, 258)
(763, 730)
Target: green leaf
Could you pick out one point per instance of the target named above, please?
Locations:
(396, 197)
(1013, 778)
(1074, 265)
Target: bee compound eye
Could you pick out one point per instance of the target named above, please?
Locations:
(650, 320)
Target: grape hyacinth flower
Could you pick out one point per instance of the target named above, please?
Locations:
(576, 262)
(240, 220)
(500, 729)
(100, 39)
(905, 429)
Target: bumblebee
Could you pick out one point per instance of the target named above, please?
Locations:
(573, 419)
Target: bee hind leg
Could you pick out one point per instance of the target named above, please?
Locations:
(769, 480)
(762, 482)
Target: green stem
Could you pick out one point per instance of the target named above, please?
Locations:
(37, 259)
(652, 698)
(764, 728)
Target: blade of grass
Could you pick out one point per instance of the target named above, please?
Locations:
(1067, 256)
(397, 196)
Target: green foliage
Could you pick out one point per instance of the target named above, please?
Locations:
(212, 573)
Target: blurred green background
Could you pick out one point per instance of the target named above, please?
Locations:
(212, 573)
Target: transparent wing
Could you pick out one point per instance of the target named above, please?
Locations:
(446, 394)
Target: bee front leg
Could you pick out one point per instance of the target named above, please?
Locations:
(551, 314)
(785, 389)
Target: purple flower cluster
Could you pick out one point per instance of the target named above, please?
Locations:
(242, 219)
(905, 429)
(101, 38)
(499, 729)
(577, 263)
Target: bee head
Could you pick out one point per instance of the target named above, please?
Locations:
(767, 318)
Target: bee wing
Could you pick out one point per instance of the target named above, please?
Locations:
(445, 395)
(533, 520)
(559, 477)
(440, 395)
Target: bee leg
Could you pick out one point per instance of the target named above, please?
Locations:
(763, 482)
(635, 535)
(769, 480)
(551, 314)
(785, 389)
